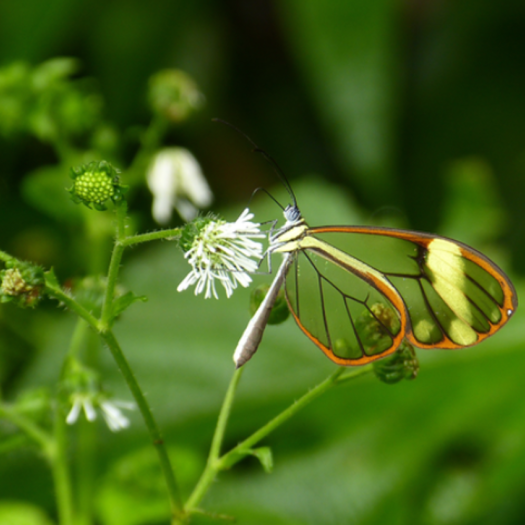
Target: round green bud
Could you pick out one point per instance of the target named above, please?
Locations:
(280, 311)
(376, 324)
(193, 229)
(174, 95)
(402, 364)
(94, 187)
(95, 183)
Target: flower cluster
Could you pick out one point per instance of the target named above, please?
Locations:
(84, 394)
(221, 251)
(21, 282)
(111, 410)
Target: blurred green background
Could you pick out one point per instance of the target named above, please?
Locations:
(408, 114)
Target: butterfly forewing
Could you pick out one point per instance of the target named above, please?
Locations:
(454, 296)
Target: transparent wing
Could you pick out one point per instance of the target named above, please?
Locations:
(347, 308)
(454, 295)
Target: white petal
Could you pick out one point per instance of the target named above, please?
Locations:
(74, 412)
(192, 181)
(89, 411)
(113, 416)
(186, 209)
(162, 208)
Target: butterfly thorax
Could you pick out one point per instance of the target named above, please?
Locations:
(285, 238)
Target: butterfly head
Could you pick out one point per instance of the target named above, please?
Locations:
(292, 214)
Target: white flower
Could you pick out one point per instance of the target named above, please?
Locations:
(113, 416)
(81, 401)
(110, 410)
(223, 251)
(176, 181)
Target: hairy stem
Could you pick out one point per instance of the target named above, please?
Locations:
(151, 424)
(211, 469)
(114, 268)
(216, 464)
(152, 236)
(60, 470)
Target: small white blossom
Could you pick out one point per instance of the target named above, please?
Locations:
(111, 412)
(176, 181)
(81, 401)
(113, 415)
(225, 252)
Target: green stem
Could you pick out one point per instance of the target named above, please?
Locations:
(150, 141)
(243, 448)
(216, 464)
(352, 373)
(60, 470)
(86, 437)
(114, 267)
(211, 469)
(59, 463)
(34, 432)
(156, 437)
(152, 236)
(87, 449)
(57, 292)
(78, 338)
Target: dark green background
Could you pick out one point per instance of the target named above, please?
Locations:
(397, 113)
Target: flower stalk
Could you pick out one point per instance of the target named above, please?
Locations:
(151, 424)
(216, 463)
(114, 267)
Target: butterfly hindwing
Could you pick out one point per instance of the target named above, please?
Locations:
(346, 307)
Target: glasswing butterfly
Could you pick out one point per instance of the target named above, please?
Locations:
(431, 290)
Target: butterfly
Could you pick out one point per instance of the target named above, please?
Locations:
(358, 291)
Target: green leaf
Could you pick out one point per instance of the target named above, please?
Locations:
(124, 301)
(51, 278)
(53, 71)
(473, 209)
(45, 189)
(14, 513)
(265, 456)
(133, 491)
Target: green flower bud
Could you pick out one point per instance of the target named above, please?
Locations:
(402, 364)
(174, 95)
(372, 325)
(280, 311)
(193, 229)
(79, 378)
(95, 183)
(21, 282)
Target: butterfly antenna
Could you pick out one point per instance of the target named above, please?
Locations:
(270, 159)
(269, 195)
